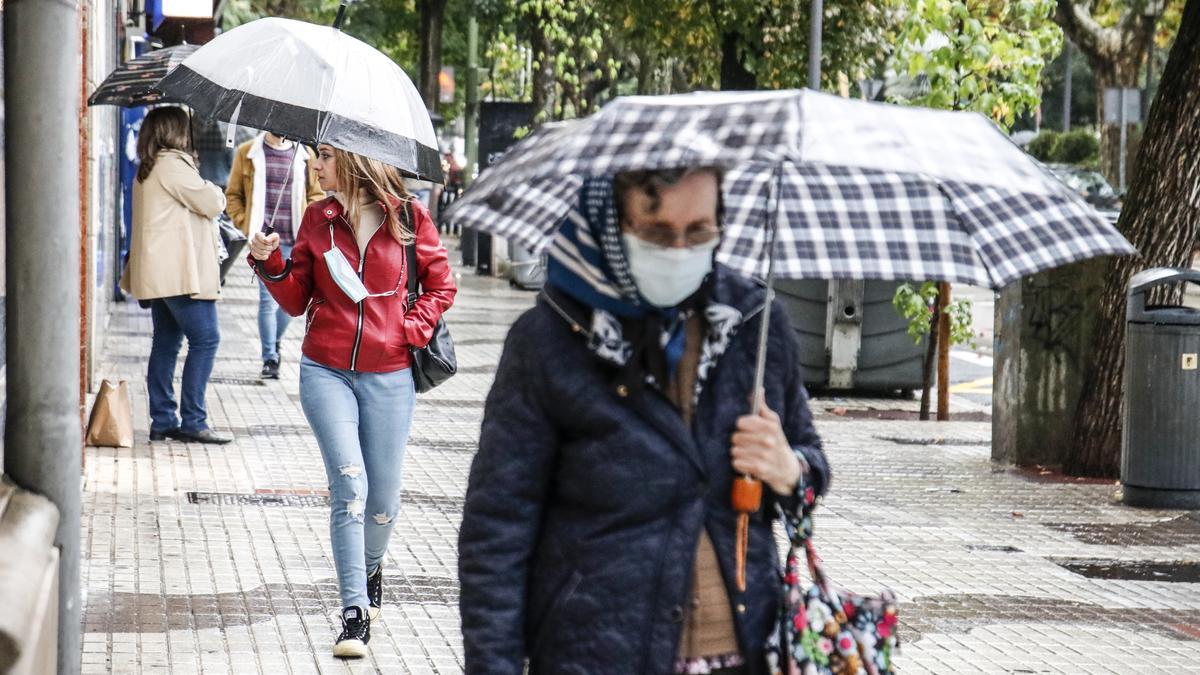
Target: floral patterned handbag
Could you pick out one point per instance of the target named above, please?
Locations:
(825, 630)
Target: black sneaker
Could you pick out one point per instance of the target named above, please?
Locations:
(375, 592)
(270, 370)
(356, 633)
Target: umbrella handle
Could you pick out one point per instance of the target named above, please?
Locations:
(262, 271)
(261, 267)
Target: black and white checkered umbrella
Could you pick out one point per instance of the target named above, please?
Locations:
(314, 84)
(857, 190)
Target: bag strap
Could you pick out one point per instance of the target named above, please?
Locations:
(800, 538)
(410, 254)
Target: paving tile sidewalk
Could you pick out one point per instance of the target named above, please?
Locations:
(217, 560)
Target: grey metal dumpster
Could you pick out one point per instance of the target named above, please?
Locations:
(1160, 449)
(883, 359)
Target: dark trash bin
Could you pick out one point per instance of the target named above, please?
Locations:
(468, 245)
(1160, 448)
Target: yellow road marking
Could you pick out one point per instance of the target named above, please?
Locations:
(981, 386)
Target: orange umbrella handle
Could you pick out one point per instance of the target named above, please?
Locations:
(746, 498)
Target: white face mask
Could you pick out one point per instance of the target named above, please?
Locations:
(668, 276)
(346, 277)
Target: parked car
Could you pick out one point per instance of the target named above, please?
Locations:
(1092, 186)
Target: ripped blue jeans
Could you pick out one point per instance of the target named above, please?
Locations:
(361, 421)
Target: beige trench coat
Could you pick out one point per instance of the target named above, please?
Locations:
(173, 248)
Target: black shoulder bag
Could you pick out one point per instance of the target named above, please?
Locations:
(434, 363)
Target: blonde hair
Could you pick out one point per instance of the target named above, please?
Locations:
(163, 129)
(359, 177)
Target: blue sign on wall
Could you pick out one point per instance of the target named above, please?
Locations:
(154, 14)
(131, 124)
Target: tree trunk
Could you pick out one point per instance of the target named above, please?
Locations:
(943, 351)
(430, 58)
(1115, 56)
(543, 76)
(1161, 217)
(734, 74)
(680, 77)
(645, 74)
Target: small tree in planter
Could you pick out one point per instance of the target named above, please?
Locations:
(981, 55)
(918, 306)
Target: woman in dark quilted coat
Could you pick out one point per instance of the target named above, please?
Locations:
(599, 535)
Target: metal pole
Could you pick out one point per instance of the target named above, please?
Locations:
(1066, 115)
(472, 116)
(1124, 139)
(42, 436)
(816, 15)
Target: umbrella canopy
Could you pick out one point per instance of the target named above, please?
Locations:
(134, 82)
(856, 190)
(314, 84)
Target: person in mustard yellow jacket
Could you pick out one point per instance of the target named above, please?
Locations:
(269, 171)
(173, 267)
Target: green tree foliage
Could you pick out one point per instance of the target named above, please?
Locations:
(578, 48)
(1083, 91)
(758, 43)
(561, 54)
(1078, 146)
(1114, 36)
(982, 55)
(916, 304)
(383, 24)
(505, 59)
(1044, 145)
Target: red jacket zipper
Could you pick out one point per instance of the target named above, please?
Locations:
(362, 266)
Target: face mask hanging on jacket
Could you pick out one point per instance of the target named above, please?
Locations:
(346, 277)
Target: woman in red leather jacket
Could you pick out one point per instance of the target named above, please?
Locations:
(349, 277)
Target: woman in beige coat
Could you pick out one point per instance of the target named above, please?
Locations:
(173, 267)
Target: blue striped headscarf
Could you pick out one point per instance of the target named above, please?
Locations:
(587, 257)
(587, 262)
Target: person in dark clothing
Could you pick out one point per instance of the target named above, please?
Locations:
(598, 534)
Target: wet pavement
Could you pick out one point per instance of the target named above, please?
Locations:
(217, 559)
